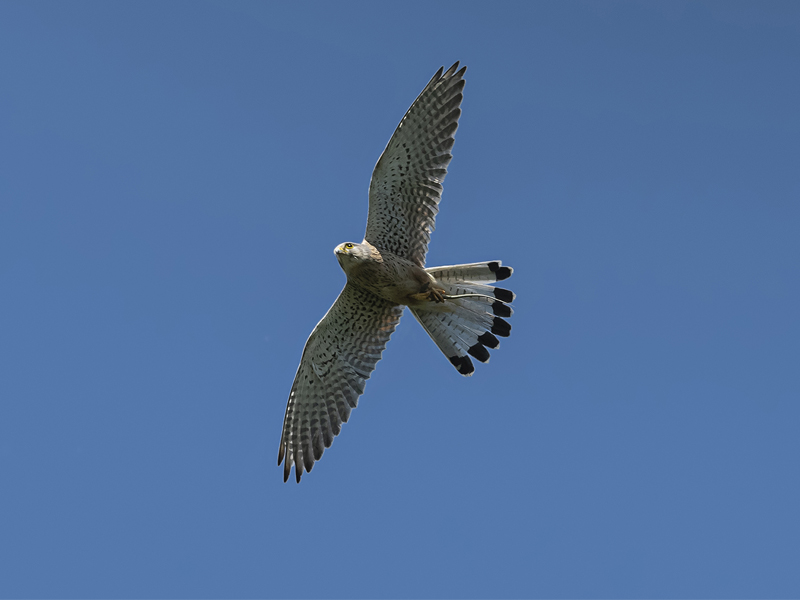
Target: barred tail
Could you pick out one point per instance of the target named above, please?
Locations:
(484, 272)
(466, 323)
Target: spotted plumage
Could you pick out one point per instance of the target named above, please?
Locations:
(457, 305)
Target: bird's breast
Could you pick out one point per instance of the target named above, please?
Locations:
(391, 278)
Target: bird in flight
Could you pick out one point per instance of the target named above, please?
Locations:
(457, 305)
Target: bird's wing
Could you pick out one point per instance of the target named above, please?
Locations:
(406, 184)
(339, 357)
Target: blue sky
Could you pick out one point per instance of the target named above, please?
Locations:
(173, 179)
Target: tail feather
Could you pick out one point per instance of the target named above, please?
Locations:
(466, 323)
(484, 272)
(442, 332)
(497, 298)
(465, 287)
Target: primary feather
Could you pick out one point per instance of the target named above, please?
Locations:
(406, 184)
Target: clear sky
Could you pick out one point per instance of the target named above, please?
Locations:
(174, 177)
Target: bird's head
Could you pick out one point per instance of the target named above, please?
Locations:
(350, 254)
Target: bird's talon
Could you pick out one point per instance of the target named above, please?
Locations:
(436, 296)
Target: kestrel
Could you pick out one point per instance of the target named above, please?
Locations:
(386, 272)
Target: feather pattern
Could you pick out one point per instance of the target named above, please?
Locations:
(338, 358)
(459, 308)
(406, 184)
(467, 323)
(483, 272)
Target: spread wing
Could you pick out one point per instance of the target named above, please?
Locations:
(339, 357)
(406, 184)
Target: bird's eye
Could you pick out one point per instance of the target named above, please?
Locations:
(348, 246)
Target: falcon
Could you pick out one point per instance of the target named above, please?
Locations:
(457, 305)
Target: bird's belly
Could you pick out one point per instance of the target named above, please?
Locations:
(396, 292)
(392, 282)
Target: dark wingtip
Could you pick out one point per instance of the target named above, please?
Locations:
(298, 472)
(462, 364)
(287, 466)
(500, 272)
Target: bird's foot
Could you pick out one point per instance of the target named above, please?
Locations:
(429, 293)
(436, 295)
